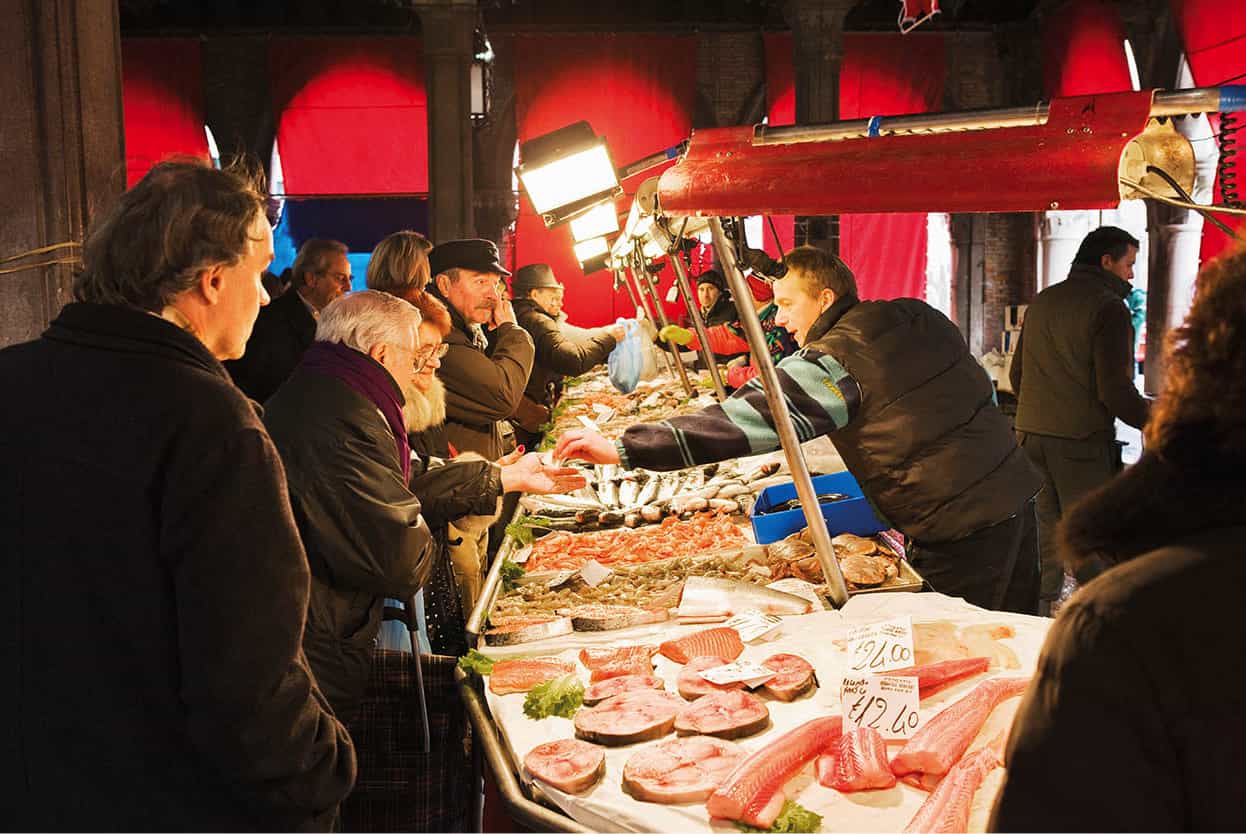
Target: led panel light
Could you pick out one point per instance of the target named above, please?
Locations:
(596, 222)
(567, 172)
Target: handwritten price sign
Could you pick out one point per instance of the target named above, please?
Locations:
(887, 704)
(880, 647)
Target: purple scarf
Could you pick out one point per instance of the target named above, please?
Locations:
(370, 380)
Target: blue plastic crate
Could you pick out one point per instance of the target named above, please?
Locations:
(853, 515)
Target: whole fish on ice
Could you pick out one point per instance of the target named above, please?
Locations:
(708, 600)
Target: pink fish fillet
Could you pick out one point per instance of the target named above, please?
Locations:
(947, 807)
(934, 677)
(945, 738)
(753, 793)
(857, 762)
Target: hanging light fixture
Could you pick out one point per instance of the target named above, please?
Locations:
(481, 75)
(567, 172)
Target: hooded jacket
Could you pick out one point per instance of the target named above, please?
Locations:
(483, 383)
(1140, 668)
(156, 590)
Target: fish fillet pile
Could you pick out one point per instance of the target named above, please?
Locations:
(672, 538)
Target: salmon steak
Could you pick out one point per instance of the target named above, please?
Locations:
(795, 677)
(638, 715)
(680, 770)
(857, 762)
(692, 686)
(509, 676)
(597, 617)
(571, 765)
(723, 642)
(614, 663)
(942, 740)
(600, 691)
(731, 714)
(753, 793)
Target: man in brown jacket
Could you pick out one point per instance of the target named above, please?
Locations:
(484, 382)
(1073, 377)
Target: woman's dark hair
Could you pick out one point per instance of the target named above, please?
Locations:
(182, 217)
(1200, 417)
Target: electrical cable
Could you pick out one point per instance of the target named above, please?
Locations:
(1206, 211)
(1226, 168)
(775, 233)
(12, 269)
(1177, 187)
(42, 250)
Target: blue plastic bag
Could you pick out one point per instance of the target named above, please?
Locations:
(627, 361)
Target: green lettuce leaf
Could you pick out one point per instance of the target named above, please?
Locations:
(512, 571)
(794, 818)
(561, 696)
(476, 662)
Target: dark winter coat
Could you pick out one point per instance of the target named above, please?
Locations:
(483, 383)
(360, 522)
(559, 352)
(1136, 719)
(722, 311)
(155, 593)
(928, 446)
(449, 490)
(1072, 371)
(283, 331)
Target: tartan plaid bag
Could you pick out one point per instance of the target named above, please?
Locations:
(400, 787)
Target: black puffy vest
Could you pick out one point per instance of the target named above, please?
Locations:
(928, 445)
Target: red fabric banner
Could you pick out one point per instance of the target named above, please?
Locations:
(1213, 33)
(881, 75)
(636, 90)
(1084, 50)
(162, 102)
(352, 114)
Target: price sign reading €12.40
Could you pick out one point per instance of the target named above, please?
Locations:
(880, 647)
(887, 704)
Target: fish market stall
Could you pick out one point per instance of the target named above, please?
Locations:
(945, 630)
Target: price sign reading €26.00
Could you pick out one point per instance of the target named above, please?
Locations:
(887, 704)
(881, 646)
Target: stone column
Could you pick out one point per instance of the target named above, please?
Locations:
(64, 160)
(817, 54)
(1060, 235)
(1176, 238)
(447, 27)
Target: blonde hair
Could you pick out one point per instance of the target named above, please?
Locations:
(399, 264)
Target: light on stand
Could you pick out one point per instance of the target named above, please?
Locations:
(595, 222)
(567, 172)
(593, 254)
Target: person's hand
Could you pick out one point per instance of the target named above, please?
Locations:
(503, 313)
(583, 444)
(618, 331)
(529, 474)
(510, 457)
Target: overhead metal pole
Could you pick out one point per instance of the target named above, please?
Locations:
(621, 278)
(648, 283)
(725, 251)
(648, 308)
(698, 323)
(1229, 98)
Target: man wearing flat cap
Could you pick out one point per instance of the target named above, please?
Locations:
(484, 378)
(561, 349)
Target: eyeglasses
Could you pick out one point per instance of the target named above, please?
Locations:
(425, 355)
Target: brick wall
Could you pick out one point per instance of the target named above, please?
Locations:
(1010, 272)
(731, 73)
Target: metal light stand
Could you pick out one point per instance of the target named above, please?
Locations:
(698, 323)
(621, 278)
(644, 280)
(725, 251)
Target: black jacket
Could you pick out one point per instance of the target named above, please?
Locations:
(1072, 371)
(283, 331)
(928, 445)
(154, 596)
(360, 522)
(1138, 714)
(723, 311)
(559, 353)
(448, 490)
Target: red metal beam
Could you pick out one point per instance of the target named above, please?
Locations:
(1070, 162)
